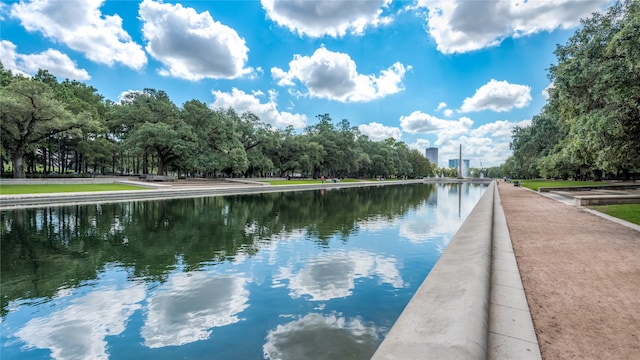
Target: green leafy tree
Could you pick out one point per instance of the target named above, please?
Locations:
(420, 165)
(590, 126)
(29, 113)
(340, 150)
(88, 105)
(249, 136)
(256, 137)
(151, 123)
(285, 151)
(171, 143)
(215, 137)
(6, 76)
(533, 143)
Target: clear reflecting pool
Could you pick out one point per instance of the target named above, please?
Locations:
(319, 274)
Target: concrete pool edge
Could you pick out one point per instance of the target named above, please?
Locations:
(453, 315)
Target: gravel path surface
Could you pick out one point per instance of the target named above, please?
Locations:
(581, 275)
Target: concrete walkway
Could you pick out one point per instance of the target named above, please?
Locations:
(511, 333)
(581, 276)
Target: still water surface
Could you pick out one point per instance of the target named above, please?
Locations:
(294, 275)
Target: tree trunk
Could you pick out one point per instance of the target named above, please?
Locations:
(145, 165)
(17, 159)
(59, 157)
(44, 159)
(161, 166)
(49, 168)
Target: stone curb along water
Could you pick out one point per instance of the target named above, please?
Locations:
(448, 317)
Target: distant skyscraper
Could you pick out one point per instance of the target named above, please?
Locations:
(455, 164)
(432, 155)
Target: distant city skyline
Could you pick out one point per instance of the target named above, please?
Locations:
(455, 163)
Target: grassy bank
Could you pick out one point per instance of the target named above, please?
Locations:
(628, 212)
(58, 188)
(535, 184)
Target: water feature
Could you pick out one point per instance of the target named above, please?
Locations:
(314, 274)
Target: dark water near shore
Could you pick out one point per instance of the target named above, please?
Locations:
(299, 275)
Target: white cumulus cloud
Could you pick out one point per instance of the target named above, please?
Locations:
(479, 150)
(499, 129)
(333, 75)
(420, 145)
(486, 146)
(442, 106)
(267, 111)
(498, 96)
(377, 132)
(81, 26)
(54, 61)
(420, 123)
(460, 26)
(333, 18)
(192, 45)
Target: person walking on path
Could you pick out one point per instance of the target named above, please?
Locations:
(581, 275)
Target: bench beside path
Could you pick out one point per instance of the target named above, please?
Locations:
(581, 275)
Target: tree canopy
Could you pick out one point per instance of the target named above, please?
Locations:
(590, 126)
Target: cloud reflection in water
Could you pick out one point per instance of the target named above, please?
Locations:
(316, 336)
(333, 276)
(78, 331)
(427, 225)
(186, 308)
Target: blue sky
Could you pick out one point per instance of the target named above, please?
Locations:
(428, 72)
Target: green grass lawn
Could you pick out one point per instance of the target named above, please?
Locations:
(628, 212)
(58, 188)
(535, 184)
(304, 181)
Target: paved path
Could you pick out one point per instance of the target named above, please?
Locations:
(511, 333)
(581, 275)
